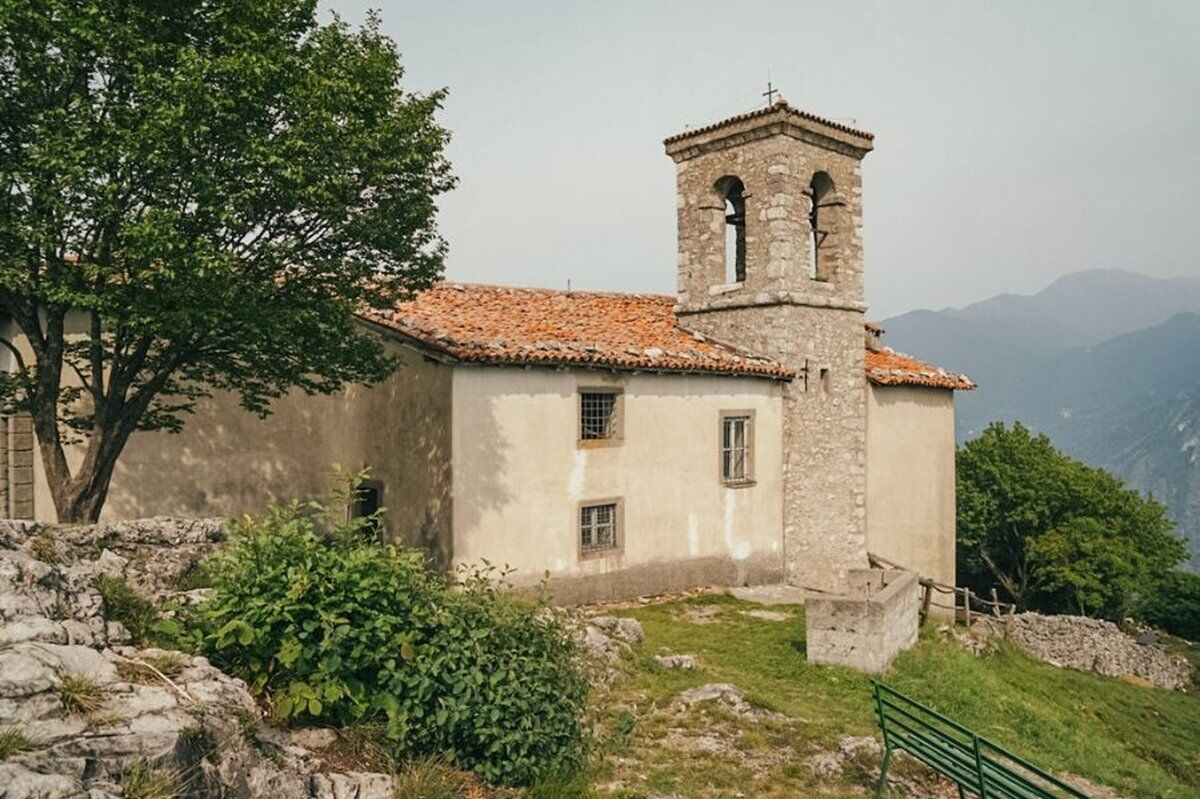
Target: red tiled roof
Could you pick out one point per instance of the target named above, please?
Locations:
(497, 324)
(889, 368)
(494, 324)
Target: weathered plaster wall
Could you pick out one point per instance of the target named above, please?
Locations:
(520, 475)
(910, 478)
(813, 325)
(227, 461)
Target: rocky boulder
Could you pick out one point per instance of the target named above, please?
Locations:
(157, 557)
(82, 714)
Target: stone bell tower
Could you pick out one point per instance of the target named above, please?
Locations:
(770, 260)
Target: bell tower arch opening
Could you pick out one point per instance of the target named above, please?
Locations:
(732, 192)
(823, 225)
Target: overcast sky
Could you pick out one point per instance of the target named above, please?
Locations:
(1015, 141)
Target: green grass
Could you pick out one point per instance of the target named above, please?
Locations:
(429, 778)
(147, 781)
(11, 742)
(80, 694)
(1143, 742)
(123, 604)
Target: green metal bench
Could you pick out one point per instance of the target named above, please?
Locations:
(975, 764)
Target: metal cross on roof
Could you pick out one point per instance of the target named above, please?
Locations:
(770, 92)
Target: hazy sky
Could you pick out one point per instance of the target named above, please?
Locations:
(1015, 141)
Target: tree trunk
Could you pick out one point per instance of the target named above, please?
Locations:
(77, 499)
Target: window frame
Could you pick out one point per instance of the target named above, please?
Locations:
(617, 422)
(618, 547)
(357, 505)
(748, 478)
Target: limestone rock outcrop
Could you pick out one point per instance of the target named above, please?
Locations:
(83, 713)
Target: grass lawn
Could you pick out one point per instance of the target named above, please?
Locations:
(1143, 742)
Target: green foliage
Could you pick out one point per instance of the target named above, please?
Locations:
(1055, 534)
(11, 742)
(215, 189)
(1082, 562)
(79, 694)
(1173, 604)
(123, 604)
(331, 627)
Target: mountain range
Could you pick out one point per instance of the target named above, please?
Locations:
(1105, 362)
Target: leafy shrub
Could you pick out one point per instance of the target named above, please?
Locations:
(1055, 534)
(334, 627)
(1174, 605)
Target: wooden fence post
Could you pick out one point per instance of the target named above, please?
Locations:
(967, 605)
(926, 601)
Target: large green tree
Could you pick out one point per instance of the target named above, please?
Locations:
(198, 196)
(1054, 533)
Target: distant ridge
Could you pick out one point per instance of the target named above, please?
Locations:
(1106, 362)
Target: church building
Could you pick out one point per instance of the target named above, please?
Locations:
(752, 428)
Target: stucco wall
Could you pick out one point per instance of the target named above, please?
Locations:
(227, 461)
(520, 475)
(910, 478)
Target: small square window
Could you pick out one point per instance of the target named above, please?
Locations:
(737, 447)
(598, 527)
(599, 415)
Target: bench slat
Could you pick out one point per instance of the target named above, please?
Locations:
(973, 763)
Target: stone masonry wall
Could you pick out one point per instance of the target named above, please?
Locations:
(865, 628)
(814, 326)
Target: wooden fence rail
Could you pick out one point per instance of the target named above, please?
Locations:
(966, 604)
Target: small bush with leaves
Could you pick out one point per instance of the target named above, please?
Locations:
(330, 626)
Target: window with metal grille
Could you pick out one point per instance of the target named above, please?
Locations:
(735, 448)
(597, 415)
(598, 527)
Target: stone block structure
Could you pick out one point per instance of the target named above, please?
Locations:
(866, 627)
(786, 186)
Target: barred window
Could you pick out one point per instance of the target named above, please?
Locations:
(735, 448)
(598, 527)
(597, 415)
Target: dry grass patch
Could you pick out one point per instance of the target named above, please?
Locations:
(144, 780)
(80, 694)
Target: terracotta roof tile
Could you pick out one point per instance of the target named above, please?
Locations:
(496, 324)
(889, 368)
